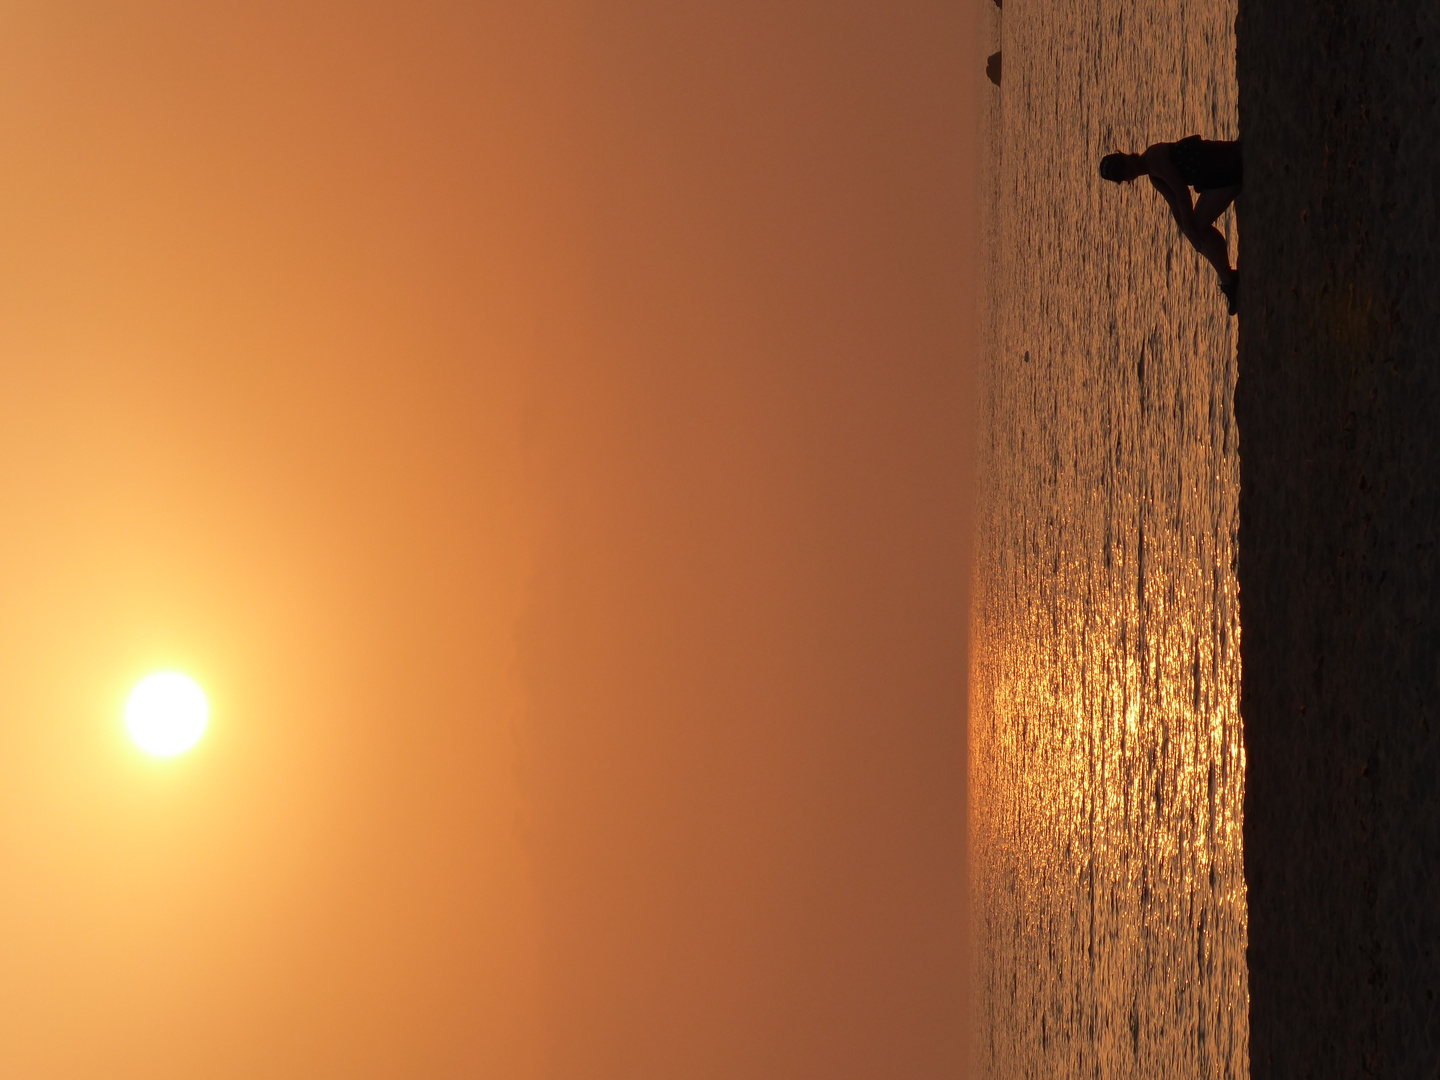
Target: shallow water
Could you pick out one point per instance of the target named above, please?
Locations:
(1107, 761)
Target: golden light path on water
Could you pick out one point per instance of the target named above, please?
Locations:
(1107, 760)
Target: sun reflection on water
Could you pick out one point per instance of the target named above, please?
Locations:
(1107, 763)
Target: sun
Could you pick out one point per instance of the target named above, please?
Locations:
(166, 714)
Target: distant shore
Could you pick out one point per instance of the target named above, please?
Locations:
(1338, 406)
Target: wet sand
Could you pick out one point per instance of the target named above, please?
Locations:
(1338, 407)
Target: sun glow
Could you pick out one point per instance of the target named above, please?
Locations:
(166, 714)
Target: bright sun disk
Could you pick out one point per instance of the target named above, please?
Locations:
(166, 714)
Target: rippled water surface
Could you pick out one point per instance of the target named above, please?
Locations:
(1108, 765)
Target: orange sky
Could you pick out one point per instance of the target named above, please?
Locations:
(541, 429)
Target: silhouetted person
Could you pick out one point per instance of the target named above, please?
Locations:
(1213, 169)
(992, 68)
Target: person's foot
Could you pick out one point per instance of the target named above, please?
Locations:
(1232, 292)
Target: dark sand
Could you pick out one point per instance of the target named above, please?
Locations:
(1338, 404)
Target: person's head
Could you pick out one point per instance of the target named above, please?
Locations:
(1118, 168)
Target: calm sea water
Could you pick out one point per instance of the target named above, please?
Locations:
(1108, 764)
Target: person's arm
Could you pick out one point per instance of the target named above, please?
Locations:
(1181, 207)
(1166, 179)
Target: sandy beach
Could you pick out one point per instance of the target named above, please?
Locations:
(1338, 407)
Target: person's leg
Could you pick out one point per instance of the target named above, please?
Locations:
(1210, 243)
(1211, 204)
(1208, 240)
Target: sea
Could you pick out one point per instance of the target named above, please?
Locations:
(1107, 755)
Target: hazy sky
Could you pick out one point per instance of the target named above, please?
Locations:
(541, 428)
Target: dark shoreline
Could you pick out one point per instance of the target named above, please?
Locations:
(1338, 406)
